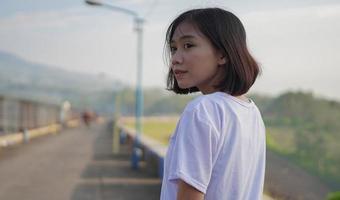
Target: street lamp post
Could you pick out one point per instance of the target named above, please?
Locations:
(138, 22)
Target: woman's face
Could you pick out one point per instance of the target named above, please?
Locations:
(194, 61)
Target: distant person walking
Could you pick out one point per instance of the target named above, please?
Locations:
(217, 151)
(87, 118)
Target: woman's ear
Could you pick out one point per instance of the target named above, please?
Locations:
(222, 60)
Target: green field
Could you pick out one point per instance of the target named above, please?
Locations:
(162, 129)
(282, 143)
(156, 129)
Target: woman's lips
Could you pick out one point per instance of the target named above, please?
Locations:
(179, 73)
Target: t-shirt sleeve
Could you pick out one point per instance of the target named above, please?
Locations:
(194, 150)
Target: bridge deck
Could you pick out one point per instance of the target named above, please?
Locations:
(76, 164)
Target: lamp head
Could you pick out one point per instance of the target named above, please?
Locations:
(93, 2)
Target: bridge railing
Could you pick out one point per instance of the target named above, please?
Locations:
(153, 152)
(23, 118)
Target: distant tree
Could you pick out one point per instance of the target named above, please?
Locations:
(333, 196)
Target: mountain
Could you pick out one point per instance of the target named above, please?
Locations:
(306, 129)
(32, 80)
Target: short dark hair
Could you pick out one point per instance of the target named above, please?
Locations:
(227, 35)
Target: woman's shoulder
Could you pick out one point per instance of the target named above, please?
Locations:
(208, 101)
(207, 107)
(219, 104)
(200, 102)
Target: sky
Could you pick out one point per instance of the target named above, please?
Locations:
(296, 43)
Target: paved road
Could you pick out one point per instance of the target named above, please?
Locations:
(77, 165)
(288, 181)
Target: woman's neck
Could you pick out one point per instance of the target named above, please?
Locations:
(240, 97)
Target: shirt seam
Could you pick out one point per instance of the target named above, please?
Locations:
(245, 104)
(189, 180)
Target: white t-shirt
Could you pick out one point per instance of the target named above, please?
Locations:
(219, 148)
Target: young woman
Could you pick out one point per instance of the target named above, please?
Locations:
(217, 151)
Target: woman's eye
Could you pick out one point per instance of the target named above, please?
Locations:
(188, 45)
(173, 49)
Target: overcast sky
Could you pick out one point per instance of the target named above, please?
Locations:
(297, 43)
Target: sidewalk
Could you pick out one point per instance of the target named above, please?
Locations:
(109, 176)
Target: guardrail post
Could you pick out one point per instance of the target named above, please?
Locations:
(160, 167)
(115, 138)
(122, 137)
(136, 157)
(26, 136)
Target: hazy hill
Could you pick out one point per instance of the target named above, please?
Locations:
(306, 129)
(300, 107)
(24, 78)
(19, 71)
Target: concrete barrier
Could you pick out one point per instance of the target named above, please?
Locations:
(25, 136)
(153, 152)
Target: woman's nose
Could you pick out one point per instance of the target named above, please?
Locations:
(176, 58)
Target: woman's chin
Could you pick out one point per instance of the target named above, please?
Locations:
(184, 86)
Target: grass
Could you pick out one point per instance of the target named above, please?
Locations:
(156, 128)
(161, 129)
(281, 140)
